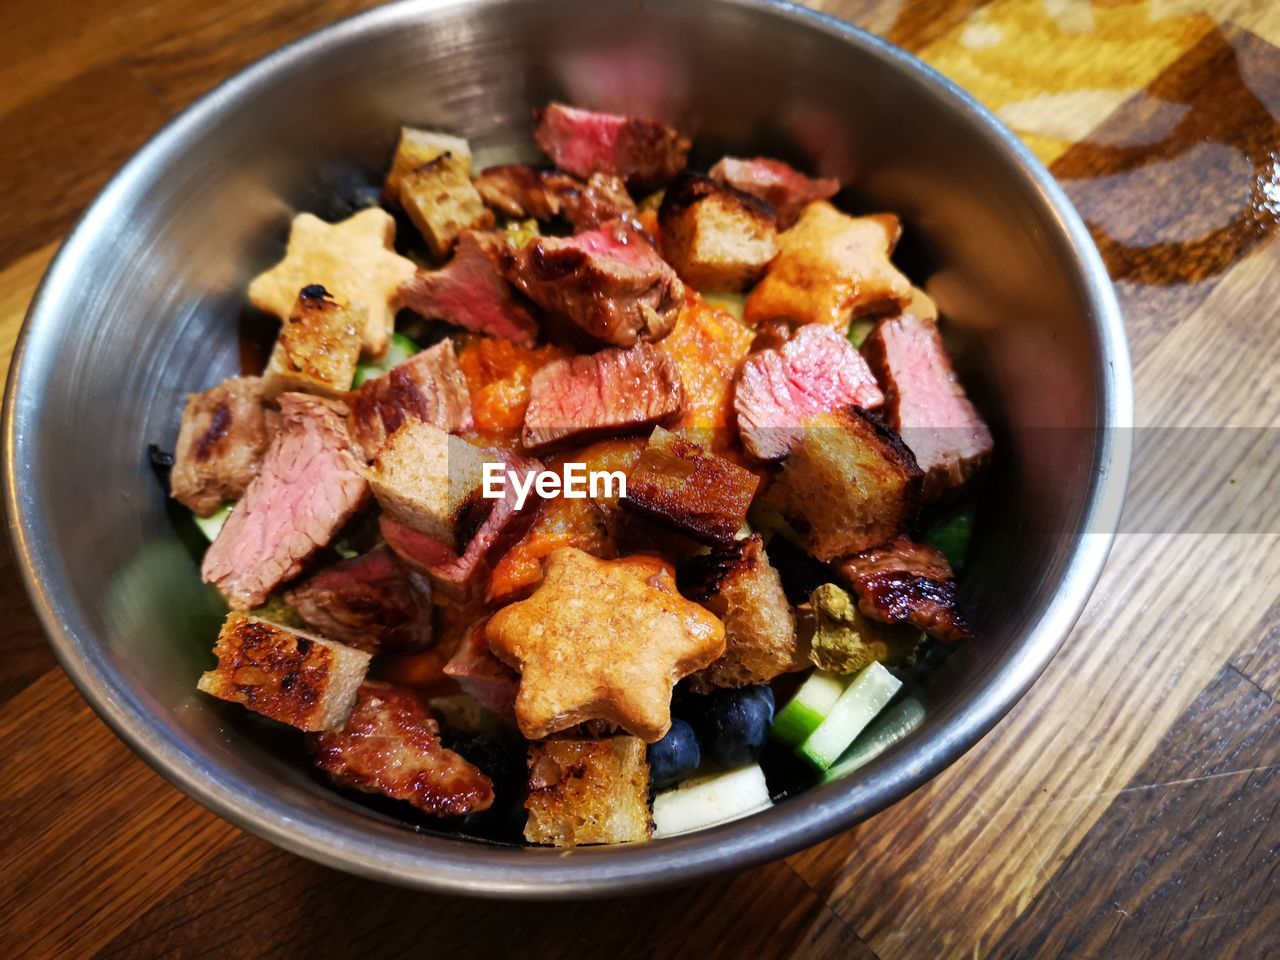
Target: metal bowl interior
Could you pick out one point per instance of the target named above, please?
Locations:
(141, 307)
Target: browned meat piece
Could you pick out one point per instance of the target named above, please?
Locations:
(717, 238)
(588, 791)
(679, 484)
(645, 153)
(371, 602)
(224, 433)
(429, 387)
(782, 186)
(740, 586)
(849, 484)
(302, 680)
(479, 673)
(577, 398)
(925, 402)
(391, 746)
(309, 486)
(317, 348)
(519, 190)
(816, 371)
(907, 582)
(609, 282)
(469, 292)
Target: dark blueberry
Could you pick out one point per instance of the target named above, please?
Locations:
(733, 725)
(675, 756)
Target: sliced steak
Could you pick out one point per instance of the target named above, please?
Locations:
(309, 486)
(484, 676)
(391, 746)
(469, 292)
(429, 386)
(816, 371)
(224, 433)
(520, 190)
(907, 582)
(777, 183)
(925, 402)
(372, 602)
(609, 282)
(645, 153)
(581, 397)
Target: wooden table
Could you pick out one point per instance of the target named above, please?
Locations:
(1127, 807)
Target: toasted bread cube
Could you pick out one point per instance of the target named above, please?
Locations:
(741, 587)
(416, 148)
(431, 179)
(431, 482)
(677, 483)
(287, 675)
(848, 485)
(588, 791)
(316, 350)
(716, 237)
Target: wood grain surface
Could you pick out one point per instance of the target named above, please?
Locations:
(1129, 806)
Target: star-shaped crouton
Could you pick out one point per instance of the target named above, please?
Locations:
(353, 260)
(602, 640)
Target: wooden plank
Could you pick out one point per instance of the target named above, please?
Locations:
(1260, 665)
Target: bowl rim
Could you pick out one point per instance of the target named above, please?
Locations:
(446, 865)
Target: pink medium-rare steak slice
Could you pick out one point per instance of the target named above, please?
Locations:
(907, 582)
(645, 153)
(577, 398)
(926, 404)
(520, 190)
(484, 676)
(224, 433)
(816, 371)
(777, 183)
(309, 486)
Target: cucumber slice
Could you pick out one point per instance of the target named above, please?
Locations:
(859, 330)
(707, 801)
(211, 525)
(808, 708)
(890, 727)
(858, 705)
(401, 349)
(951, 537)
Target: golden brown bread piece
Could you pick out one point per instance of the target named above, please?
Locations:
(848, 485)
(287, 675)
(716, 237)
(316, 350)
(588, 791)
(431, 179)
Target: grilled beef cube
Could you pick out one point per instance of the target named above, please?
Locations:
(316, 350)
(717, 238)
(677, 483)
(224, 433)
(849, 484)
(391, 746)
(470, 292)
(578, 398)
(519, 190)
(462, 576)
(645, 153)
(310, 484)
(609, 282)
(831, 266)
(783, 187)
(287, 675)
(740, 586)
(486, 678)
(588, 791)
(429, 387)
(431, 179)
(816, 371)
(907, 582)
(431, 482)
(371, 602)
(925, 402)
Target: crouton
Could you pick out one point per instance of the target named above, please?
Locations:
(431, 179)
(588, 791)
(317, 348)
(432, 483)
(287, 675)
(848, 485)
(676, 483)
(845, 640)
(716, 237)
(741, 587)
(831, 267)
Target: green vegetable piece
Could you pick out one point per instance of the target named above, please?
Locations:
(951, 537)
(859, 330)
(401, 349)
(887, 729)
(276, 610)
(845, 640)
(868, 694)
(808, 708)
(520, 232)
(211, 525)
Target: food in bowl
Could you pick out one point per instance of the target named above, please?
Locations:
(558, 480)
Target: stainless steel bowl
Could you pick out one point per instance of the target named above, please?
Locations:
(141, 306)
